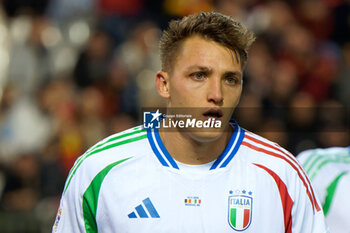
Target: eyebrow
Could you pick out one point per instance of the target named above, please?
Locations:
(200, 68)
(210, 70)
(235, 73)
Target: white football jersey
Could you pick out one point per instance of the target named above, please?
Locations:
(329, 172)
(130, 183)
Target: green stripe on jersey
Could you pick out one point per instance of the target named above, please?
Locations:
(137, 129)
(117, 144)
(326, 161)
(316, 161)
(330, 193)
(90, 198)
(114, 139)
(312, 156)
(101, 147)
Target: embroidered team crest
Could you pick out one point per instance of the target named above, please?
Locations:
(240, 211)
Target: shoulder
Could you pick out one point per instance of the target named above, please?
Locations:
(271, 157)
(324, 152)
(325, 165)
(116, 146)
(266, 149)
(280, 164)
(114, 150)
(125, 139)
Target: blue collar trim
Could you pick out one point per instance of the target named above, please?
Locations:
(222, 161)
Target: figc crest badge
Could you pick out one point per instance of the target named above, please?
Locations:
(240, 211)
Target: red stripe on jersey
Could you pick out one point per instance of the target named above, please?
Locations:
(286, 200)
(292, 158)
(246, 217)
(244, 143)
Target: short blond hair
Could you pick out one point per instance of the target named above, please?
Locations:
(210, 25)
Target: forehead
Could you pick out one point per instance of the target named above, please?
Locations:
(197, 50)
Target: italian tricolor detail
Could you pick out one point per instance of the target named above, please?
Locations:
(240, 211)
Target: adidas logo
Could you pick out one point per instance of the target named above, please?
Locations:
(142, 213)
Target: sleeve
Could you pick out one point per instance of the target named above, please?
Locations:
(70, 216)
(307, 213)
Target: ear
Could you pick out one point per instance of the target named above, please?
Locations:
(163, 85)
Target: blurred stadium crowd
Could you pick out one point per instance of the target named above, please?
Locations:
(73, 72)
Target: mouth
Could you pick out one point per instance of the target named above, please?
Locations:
(213, 113)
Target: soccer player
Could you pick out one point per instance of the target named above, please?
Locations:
(221, 180)
(329, 172)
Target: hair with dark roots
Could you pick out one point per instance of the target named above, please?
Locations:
(212, 26)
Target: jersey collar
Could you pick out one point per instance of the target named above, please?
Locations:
(222, 161)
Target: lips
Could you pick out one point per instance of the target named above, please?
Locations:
(213, 113)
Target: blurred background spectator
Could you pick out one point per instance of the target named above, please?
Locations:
(73, 72)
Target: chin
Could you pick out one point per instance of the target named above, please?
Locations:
(206, 135)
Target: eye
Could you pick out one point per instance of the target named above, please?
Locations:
(232, 80)
(198, 76)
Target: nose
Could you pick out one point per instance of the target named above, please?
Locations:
(215, 92)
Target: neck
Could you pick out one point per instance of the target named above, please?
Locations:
(187, 150)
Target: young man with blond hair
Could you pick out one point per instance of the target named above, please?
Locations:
(224, 179)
